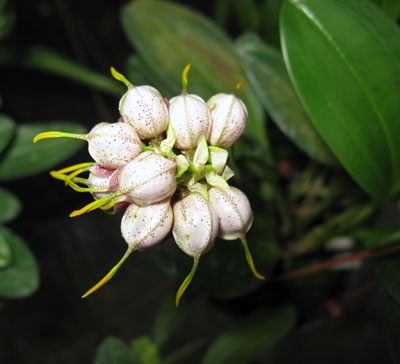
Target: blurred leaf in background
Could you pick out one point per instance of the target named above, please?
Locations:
(168, 36)
(266, 72)
(19, 157)
(247, 339)
(353, 107)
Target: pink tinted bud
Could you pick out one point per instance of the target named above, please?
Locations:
(191, 120)
(143, 227)
(144, 109)
(147, 179)
(229, 116)
(113, 145)
(101, 171)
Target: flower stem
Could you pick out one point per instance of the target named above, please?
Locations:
(249, 258)
(109, 275)
(187, 280)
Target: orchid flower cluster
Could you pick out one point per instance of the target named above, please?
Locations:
(165, 164)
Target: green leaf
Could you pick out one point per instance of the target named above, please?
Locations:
(167, 318)
(183, 37)
(265, 70)
(21, 278)
(247, 339)
(390, 7)
(7, 128)
(24, 158)
(145, 350)
(5, 253)
(375, 238)
(138, 73)
(114, 351)
(46, 60)
(10, 206)
(349, 84)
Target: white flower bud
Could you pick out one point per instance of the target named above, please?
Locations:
(195, 229)
(99, 183)
(143, 227)
(147, 179)
(229, 116)
(113, 145)
(234, 212)
(144, 108)
(191, 120)
(195, 224)
(235, 217)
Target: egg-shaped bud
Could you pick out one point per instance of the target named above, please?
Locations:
(235, 217)
(234, 212)
(191, 120)
(143, 227)
(114, 145)
(110, 145)
(195, 229)
(102, 184)
(148, 178)
(144, 108)
(229, 116)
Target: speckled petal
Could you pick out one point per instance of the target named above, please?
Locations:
(144, 108)
(147, 179)
(229, 116)
(191, 119)
(143, 227)
(195, 225)
(113, 145)
(234, 212)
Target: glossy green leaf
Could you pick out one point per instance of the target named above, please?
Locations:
(20, 278)
(145, 350)
(5, 253)
(265, 70)
(42, 59)
(223, 272)
(24, 158)
(349, 84)
(7, 128)
(10, 206)
(390, 7)
(167, 318)
(114, 351)
(247, 339)
(387, 267)
(169, 36)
